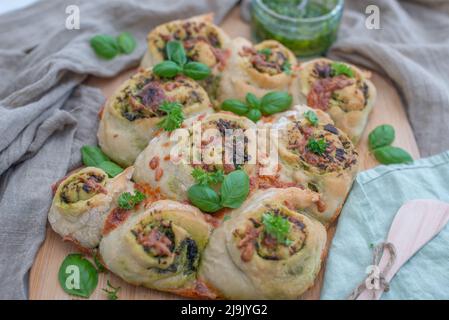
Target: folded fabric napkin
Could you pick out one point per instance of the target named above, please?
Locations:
(365, 220)
(47, 115)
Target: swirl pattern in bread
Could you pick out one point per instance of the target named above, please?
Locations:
(130, 117)
(259, 69)
(159, 247)
(244, 261)
(82, 202)
(348, 100)
(171, 173)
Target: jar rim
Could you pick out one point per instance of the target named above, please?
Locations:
(338, 7)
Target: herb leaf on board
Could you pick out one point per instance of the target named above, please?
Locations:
(381, 136)
(105, 46)
(77, 276)
(392, 155)
(234, 189)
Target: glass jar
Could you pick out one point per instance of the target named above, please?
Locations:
(307, 27)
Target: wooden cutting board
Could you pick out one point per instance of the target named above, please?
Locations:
(44, 273)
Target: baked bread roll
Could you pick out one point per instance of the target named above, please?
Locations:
(203, 42)
(243, 259)
(82, 202)
(347, 96)
(259, 69)
(159, 247)
(168, 161)
(131, 116)
(318, 156)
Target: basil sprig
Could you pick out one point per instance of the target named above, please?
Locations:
(233, 192)
(92, 156)
(380, 140)
(253, 108)
(108, 47)
(77, 276)
(178, 63)
(381, 136)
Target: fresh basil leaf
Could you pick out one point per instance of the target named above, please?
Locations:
(381, 136)
(126, 42)
(204, 197)
(235, 106)
(234, 189)
(196, 70)
(92, 156)
(105, 46)
(275, 101)
(176, 53)
(392, 155)
(311, 117)
(110, 168)
(77, 276)
(252, 101)
(254, 115)
(167, 69)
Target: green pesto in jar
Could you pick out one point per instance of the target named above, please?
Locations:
(299, 29)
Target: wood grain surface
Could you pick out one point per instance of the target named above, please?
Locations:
(44, 273)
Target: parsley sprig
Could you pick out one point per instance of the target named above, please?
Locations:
(174, 117)
(203, 177)
(128, 201)
(338, 68)
(311, 117)
(111, 291)
(317, 146)
(277, 226)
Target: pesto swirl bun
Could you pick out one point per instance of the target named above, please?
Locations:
(259, 69)
(317, 156)
(348, 96)
(131, 115)
(159, 247)
(166, 164)
(203, 42)
(254, 261)
(82, 202)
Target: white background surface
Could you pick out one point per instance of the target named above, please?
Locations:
(9, 5)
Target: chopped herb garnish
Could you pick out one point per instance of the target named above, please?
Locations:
(111, 291)
(317, 146)
(287, 68)
(174, 117)
(277, 226)
(128, 201)
(311, 117)
(203, 177)
(99, 265)
(266, 52)
(339, 68)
